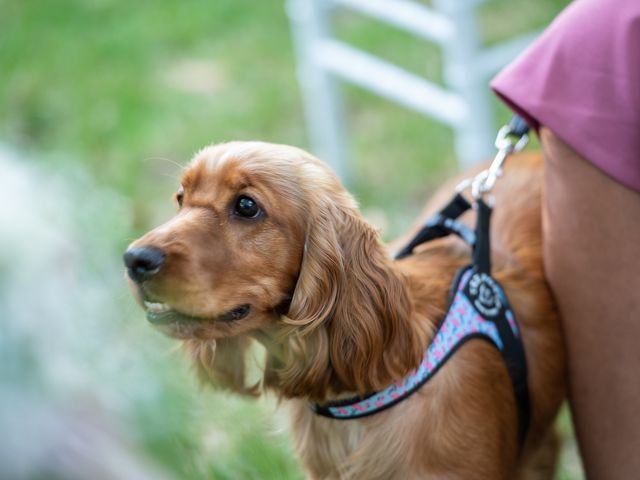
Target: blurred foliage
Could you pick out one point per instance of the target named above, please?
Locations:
(127, 88)
(127, 91)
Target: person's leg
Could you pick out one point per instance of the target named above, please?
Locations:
(592, 261)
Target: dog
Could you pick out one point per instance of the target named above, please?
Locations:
(267, 246)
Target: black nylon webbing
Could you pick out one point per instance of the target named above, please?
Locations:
(445, 223)
(441, 225)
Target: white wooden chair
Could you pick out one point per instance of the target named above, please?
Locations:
(463, 104)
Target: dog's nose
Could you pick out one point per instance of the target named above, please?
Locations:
(143, 262)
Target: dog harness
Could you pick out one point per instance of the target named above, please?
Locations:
(478, 308)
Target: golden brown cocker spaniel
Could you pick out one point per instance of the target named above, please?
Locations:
(268, 246)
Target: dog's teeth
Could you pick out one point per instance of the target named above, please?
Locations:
(157, 307)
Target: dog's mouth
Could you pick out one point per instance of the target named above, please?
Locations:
(159, 313)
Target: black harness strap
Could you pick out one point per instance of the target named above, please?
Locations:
(512, 349)
(442, 224)
(484, 292)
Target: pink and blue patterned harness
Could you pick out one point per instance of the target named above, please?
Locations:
(478, 309)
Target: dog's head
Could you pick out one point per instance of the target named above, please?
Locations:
(267, 243)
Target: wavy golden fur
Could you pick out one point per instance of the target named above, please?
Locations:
(338, 317)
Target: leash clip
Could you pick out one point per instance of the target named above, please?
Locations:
(511, 138)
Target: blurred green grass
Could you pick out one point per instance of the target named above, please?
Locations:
(114, 85)
(129, 90)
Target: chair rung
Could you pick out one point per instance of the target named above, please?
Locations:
(406, 15)
(390, 81)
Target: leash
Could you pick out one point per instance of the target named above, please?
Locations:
(511, 138)
(478, 306)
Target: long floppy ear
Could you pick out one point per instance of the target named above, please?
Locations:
(372, 339)
(304, 369)
(350, 308)
(321, 272)
(221, 363)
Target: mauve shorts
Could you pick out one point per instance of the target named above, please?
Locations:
(581, 79)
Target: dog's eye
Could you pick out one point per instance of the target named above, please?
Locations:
(180, 195)
(246, 207)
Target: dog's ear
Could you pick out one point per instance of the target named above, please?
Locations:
(304, 368)
(317, 289)
(221, 363)
(351, 308)
(371, 339)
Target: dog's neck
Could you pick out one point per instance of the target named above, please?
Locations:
(358, 321)
(359, 349)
